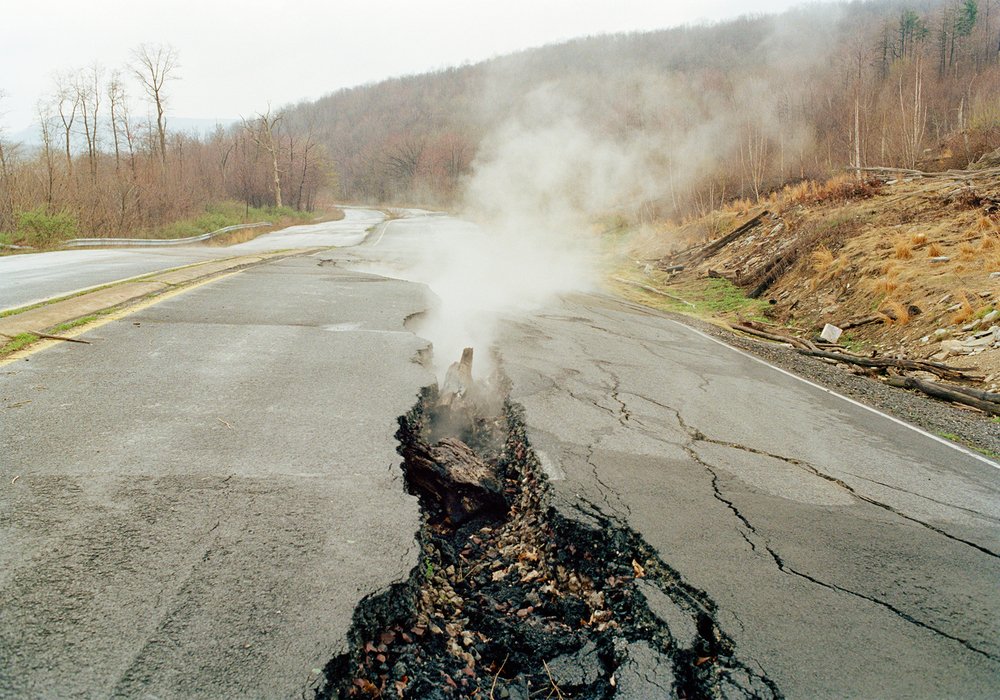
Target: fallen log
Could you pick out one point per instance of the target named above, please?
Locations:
(451, 476)
(943, 371)
(975, 393)
(946, 393)
(59, 337)
(864, 321)
(770, 273)
(653, 290)
(794, 342)
(714, 247)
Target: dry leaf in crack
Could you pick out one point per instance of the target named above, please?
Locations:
(367, 686)
(528, 555)
(639, 571)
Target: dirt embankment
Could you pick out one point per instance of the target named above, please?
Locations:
(906, 263)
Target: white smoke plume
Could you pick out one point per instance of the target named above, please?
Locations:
(537, 184)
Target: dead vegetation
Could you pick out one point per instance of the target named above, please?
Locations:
(907, 261)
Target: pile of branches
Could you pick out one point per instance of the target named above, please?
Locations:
(689, 257)
(973, 188)
(894, 369)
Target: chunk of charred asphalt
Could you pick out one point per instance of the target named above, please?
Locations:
(524, 600)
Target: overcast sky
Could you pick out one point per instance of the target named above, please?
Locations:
(238, 55)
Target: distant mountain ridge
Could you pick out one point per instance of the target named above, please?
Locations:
(200, 127)
(734, 108)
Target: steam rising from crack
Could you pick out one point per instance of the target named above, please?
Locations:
(538, 184)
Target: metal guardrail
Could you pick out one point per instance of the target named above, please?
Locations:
(143, 242)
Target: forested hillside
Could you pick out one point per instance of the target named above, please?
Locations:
(729, 110)
(705, 114)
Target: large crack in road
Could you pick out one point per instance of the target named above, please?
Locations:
(514, 598)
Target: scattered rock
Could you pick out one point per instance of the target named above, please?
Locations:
(579, 668)
(682, 626)
(831, 333)
(954, 347)
(645, 674)
(939, 259)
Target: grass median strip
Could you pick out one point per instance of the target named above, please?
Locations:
(70, 314)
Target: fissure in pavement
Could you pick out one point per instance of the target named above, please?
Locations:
(516, 598)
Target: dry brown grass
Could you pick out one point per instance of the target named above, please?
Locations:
(885, 285)
(918, 239)
(904, 249)
(896, 312)
(984, 223)
(988, 243)
(822, 259)
(967, 252)
(739, 206)
(934, 250)
(837, 189)
(965, 311)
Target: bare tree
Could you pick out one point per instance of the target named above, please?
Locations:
(67, 103)
(261, 132)
(154, 65)
(88, 96)
(116, 102)
(45, 118)
(6, 186)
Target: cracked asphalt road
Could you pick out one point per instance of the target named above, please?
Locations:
(204, 494)
(193, 505)
(849, 556)
(31, 278)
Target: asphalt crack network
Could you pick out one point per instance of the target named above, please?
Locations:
(850, 489)
(605, 488)
(695, 436)
(532, 599)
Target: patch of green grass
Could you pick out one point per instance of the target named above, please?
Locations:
(958, 440)
(712, 297)
(223, 214)
(40, 228)
(852, 344)
(69, 325)
(21, 340)
(723, 297)
(983, 311)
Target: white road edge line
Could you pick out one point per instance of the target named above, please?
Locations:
(932, 436)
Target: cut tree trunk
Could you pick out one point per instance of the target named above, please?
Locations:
(943, 371)
(714, 247)
(946, 393)
(450, 475)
